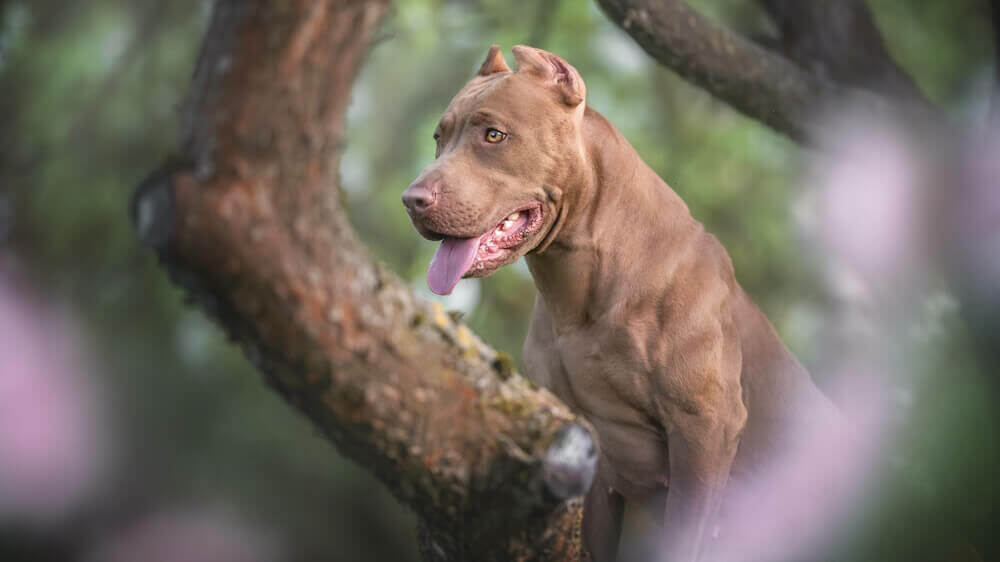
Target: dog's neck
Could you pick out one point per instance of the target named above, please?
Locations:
(617, 212)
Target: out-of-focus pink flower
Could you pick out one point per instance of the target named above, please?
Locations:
(864, 215)
(203, 534)
(51, 442)
(868, 194)
(796, 508)
(975, 218)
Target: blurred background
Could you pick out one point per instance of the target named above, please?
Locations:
(130, 429)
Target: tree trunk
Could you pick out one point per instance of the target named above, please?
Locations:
(248, 219)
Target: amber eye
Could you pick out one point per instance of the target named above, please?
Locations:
(494, 136)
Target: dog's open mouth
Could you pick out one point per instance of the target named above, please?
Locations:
(462, 257)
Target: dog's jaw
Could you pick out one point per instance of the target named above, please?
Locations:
(479, 256)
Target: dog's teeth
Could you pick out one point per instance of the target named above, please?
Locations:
(514, 216)
(506, 224)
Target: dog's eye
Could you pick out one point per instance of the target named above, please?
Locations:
(494, 136)
(437, 136)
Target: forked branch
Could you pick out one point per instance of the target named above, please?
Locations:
(759, 82)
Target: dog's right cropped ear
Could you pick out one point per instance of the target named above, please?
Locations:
(494, 62)
(554, 71)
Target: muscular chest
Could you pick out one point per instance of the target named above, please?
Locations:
(604, 375)
(603, 370)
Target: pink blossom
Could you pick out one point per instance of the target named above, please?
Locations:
(192, 534)
(869, 199)
(51, 447)
(797, 506)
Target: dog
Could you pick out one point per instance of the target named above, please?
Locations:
(639, 323)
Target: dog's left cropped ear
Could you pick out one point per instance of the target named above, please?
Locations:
(494, 62)
(553, 70)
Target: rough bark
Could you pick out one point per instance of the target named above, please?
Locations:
(247, 218)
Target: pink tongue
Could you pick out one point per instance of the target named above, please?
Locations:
(453, 258)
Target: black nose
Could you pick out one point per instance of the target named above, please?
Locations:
(420, 197)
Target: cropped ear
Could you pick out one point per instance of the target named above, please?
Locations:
(494, 62)
(553, 71)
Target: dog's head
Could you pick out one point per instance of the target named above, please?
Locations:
(508, 146)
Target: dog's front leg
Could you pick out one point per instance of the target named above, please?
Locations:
(603, 509)
(702, 447)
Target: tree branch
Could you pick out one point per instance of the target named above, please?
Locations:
(838, 39)
(755, 81)
(247, 219)
(759, 82)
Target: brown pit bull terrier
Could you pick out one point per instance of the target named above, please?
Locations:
(639, 323)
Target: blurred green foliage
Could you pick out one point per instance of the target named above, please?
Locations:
(89, 92)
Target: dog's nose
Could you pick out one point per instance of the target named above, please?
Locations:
(420, 196)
